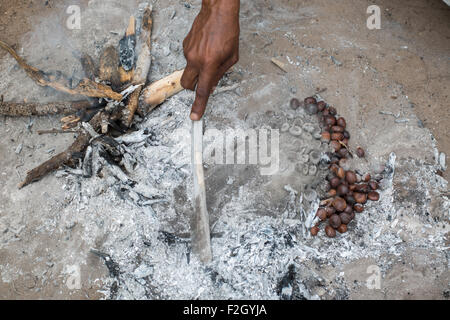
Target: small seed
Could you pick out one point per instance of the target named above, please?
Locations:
(363, 188)
(322, 214)
(334, 168)
(366, 177)
(330, 232)
(373, 196)
(360, 152)
(335, 221)
(334, 182)
(295, 103)
(339, 204)
(341, 122)
(358, 208)
(350, 177)
(314, 231)
(342, 228)
(360, 197)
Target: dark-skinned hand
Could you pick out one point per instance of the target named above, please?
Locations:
(210, 48)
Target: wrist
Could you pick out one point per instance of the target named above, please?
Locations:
(231, 6)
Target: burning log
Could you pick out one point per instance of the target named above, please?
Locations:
(86, 87)
(159, 91)
(89, 68)
(143, 63)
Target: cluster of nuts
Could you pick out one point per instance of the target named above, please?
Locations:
(347, 191)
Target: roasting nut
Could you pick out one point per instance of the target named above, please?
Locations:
(350, 177)
(342, 228)
(330, 232)
(339, 204)
(373, 196)
(360, 152)
(321, 214)
(295, 103)
(314, 231)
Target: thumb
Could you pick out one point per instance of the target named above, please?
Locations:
(205, 84)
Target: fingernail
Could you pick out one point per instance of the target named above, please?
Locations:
(195, 116)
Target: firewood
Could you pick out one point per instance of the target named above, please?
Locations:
(15, 109)
(109, 67)
(89, 68)
(159, 91)
(78, 146)
(86, 86)
(143, 63)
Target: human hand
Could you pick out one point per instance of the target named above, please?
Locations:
(210, 48)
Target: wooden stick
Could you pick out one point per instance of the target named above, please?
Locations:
(14, 109)
(86, 87)
(78, 146)
(127, 76)
(201, 238)
(143, 63)
(109, 71)
(157, 92)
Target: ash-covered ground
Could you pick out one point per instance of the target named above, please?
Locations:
(126, 236)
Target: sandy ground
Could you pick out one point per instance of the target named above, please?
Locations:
(48, 229)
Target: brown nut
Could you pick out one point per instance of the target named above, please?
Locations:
(332, 192)
(346, 135)
(337, 129)
(341, 122)
(364, 188)
(311, 108)
(330, 211)
(294, 104)
(350, 199)
(330, 232)
(335, 221)
(337, 136)
(373, 196)
(350, 177)
(342, 228)
(339, 204)
(360, 197)
(343, 152)
(341, 173)
(333, 111)
(336, 146)
(349, 209)
(342, 190)
(310, 100)
(360, 152)
(366, 177)
(326, 136)
(322, 214)
(334, 182)
(373, 185)
(330, 120)
(321, 105)
(314, 231)
(358, 208)
(345, 218)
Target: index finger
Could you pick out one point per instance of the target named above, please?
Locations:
(205, 84)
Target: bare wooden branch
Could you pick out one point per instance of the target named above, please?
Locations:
(15, 109)
(86, 87)
(143, 63)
